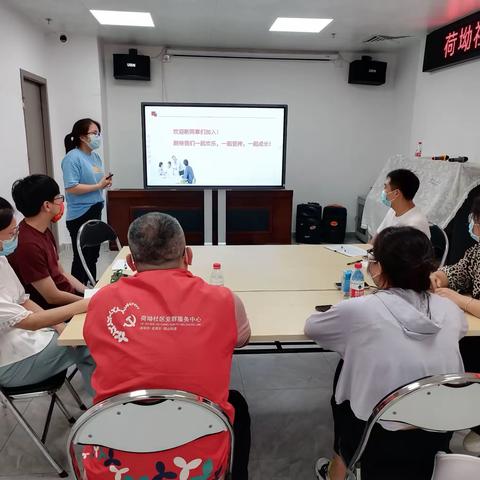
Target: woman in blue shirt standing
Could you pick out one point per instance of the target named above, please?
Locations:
(84, 180)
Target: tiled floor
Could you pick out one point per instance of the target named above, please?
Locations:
(288, 397)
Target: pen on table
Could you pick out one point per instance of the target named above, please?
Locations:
(354, 262)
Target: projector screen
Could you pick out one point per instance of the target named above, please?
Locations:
(213, 145)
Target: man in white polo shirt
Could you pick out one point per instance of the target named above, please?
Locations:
(399, 190)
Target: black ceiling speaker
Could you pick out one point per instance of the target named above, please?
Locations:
(367, 71)
(131, 66)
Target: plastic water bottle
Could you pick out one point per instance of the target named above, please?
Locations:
(357, 282)
(418, 151)
(346, 277)
(216, 277)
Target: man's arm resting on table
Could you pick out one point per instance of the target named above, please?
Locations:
(243, 325)
(75, 283)
(52, 295)
(48, 318)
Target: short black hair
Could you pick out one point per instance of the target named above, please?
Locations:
(156, 238)
(406, 257)
(406, 181)
(475, 210)
(31, 192)
(6, 213)
(185, 162)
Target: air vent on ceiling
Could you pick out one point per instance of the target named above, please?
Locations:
(383, 38)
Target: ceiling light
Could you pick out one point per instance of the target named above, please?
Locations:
(129, 19)
(309, 25)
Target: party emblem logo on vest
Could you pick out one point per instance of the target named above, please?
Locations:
(122, 317)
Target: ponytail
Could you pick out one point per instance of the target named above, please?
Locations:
(80, 128)
(69, 142)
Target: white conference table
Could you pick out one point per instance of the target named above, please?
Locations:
(248, 268)
(280, 286)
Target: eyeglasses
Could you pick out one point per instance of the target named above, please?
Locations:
(94, 133)
(370, 256)
(59, 197)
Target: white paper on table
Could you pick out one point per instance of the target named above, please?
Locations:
(119, 264)
(90, 292)
(348, 250)
(122, 265)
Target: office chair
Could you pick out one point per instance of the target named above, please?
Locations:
(92, 234)
(162, 419)
(450, 466)
(440, 243)
(439, 403)
(50, 387)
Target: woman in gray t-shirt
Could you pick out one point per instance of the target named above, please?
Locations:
(386, 340)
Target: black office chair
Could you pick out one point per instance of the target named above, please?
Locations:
(440, 243)
(50, 386)
(92, 234)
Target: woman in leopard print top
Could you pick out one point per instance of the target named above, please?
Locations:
(464, 276)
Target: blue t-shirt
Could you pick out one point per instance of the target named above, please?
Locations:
(80, 167)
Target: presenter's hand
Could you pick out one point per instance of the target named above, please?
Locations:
(438, 279)
(104, 183)
(452, 295)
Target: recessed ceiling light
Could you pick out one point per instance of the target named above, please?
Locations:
(129, 19)
(308, 25)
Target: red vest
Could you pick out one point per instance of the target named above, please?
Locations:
(162, 329)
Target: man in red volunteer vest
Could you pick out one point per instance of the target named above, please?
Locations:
(165, 328)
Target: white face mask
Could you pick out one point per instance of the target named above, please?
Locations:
(471, 225)
(372, 276)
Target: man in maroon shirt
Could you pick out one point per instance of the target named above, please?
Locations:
(35, 260)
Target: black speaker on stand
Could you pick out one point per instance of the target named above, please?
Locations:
(309, 223)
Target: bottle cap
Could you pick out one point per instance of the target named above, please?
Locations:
(217, 266)
(358, 265)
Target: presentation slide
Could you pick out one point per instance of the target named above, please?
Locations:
(213, 146)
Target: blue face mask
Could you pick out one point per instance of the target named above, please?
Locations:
(471, 224)
(8, 246)
(384, 199)
(95, 141)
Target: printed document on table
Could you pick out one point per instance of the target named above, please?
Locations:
(348, 250)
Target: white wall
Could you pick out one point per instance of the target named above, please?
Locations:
(339, 135)
(72, 72)
(406, 75)
(74, 90)
(446, 110)
(23, 47)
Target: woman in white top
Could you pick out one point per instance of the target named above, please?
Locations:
(28, 349)
(386, 340)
